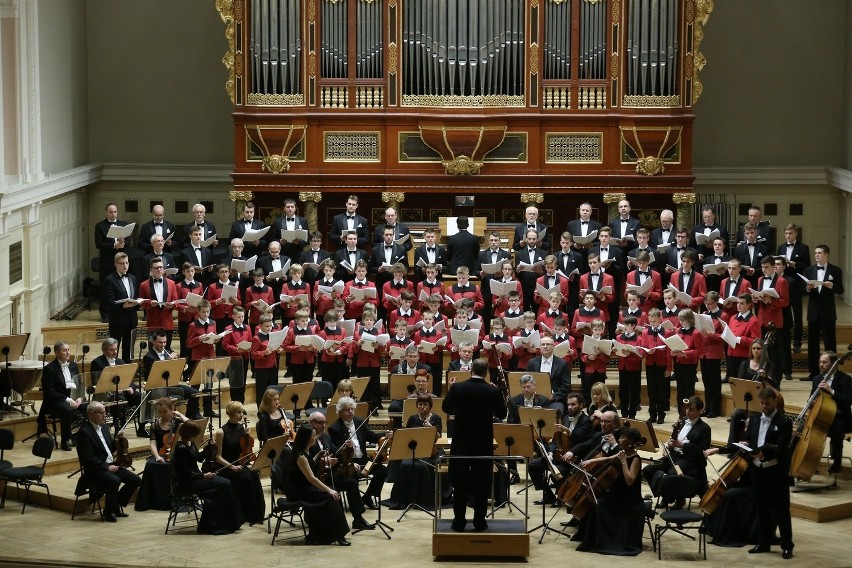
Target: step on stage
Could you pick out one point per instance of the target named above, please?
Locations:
(506, 538)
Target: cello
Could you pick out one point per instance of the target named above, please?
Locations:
(731, 474)
(603, 477)
(810, 433)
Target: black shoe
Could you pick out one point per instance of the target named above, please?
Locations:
(480, 525)
(836, 467)
(121, 515)
(343, 542)
(370, 503)
(362, 525)
(786, 553)
(211, 414)
(545, 501)
(661, 418)
(142, 433)
(805, 379)
(572, 523)
(197, 416)
(65, 446)
(110, 519)
(458, 526)
(104, 319)
(712, 415)
(514, 477)
(788, 376)
(758, 549)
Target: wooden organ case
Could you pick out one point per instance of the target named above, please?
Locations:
(428, 99)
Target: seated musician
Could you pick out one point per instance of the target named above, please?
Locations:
(685, 450)
(323, 458)
(160, 352)
(235, 446)
(418, 388)
(221, 513)
(839, 387)
(414, 482)
(615, 523)
(272, 421)
(109, 358)
(757, 368)
(57, 382)
(346, 432)
(528, 398)
(155, 491)
(601, 402)
(95, 449)
(579, 425)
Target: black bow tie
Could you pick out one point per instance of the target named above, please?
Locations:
(388, 247)
(584, 222)
(291, 220)
(644, 273)
(680, 248)
(399, 285)
(235, 328)
(750, 244)
(594, 273)
(430, 249)
(686, 331)
(156, 280)
(604, 249)
(553, 314)
(197, 249)
(123, 275)
(201, 225)
(427, 333)
(820, 268)
(653, 331)
(158, 224)
(350, 216)
(359, 284)
(531, 226)
(687, 274)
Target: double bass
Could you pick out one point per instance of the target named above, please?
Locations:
(810, 433)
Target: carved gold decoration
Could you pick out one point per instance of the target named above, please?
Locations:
(685, 203)
(616, 11)
(533, 59)
(557, 2)
(573, 147)
(226, 12)
(650, 144)
(529, 198)
(310, 196)
(393, 198)
(240, 196)
(646, 101)
(703, 9)
(273, 99)
(392, 3)
(352, 146)
(650, 166)
(609, 198)
(460, 101)
(613, 65)
(462, 148)
(312, 65)
(276, 142)
(392, 58)
(312, 11)
(534, 3)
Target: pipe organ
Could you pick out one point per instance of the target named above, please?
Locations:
(464, 96)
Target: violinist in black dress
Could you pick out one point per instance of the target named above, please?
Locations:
(222, 513)
(231, 442)
(156, 478)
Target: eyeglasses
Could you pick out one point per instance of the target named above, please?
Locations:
(318, 421)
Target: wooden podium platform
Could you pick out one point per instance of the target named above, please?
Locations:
(505, 538)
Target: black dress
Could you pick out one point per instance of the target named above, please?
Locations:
(734, 522)
(615, 524)
(222, 513)
(416, 482)
(325, 518)
(268, 427)
(156, 478)
(246, 483)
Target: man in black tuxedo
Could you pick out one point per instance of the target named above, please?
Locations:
(529, 255)
(686, 451)
(208, 229)
(665, 233)
(624, 225)
(557, 368)
(765, 234)
(239, 227)
(581, 227)
(491, 255)
(95, 449)
(579, 425)
(273, 262)
(822, 312)
(157, 226)
(107, 248)
(750, 252)
(57, 380)
(463, 247)
(349, 221)
(798, 257)
(567, 260)
(545, 240)
(157, 245)
(350, 254)
(109, 358)
(838, 387)
(429, 252)
(121, 285)
(341, 433)
(717, 256)
(411, 363)
(769, 437)
(398, 229)
(475, 404)
(290, 222)
(198, 256)
(708, 225)
(314, 255)
(384, 253)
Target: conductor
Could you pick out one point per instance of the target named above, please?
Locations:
(475, 404)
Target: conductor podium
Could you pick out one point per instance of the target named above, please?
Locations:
(504, 537)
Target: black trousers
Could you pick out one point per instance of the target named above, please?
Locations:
(110, 482)
(816, 327)
(711, 375)
(772, 496)
(629, 387)
(685, 378)
(470, 478)
(658, 390)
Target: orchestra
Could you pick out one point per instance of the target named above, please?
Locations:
(363, 312)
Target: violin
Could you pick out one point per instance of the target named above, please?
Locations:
(287, 426)
(209, 451)
(169, 441)
(246, 442)
(346, 461)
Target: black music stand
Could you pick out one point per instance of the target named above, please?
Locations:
(115, 379)
(295, 396)
(11, 347)
(418, 444)
(515, 440)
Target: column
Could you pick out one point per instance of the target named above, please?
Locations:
(310, 199)
(240, 198)
(611, 200)
(393, 199)
(685, 203)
